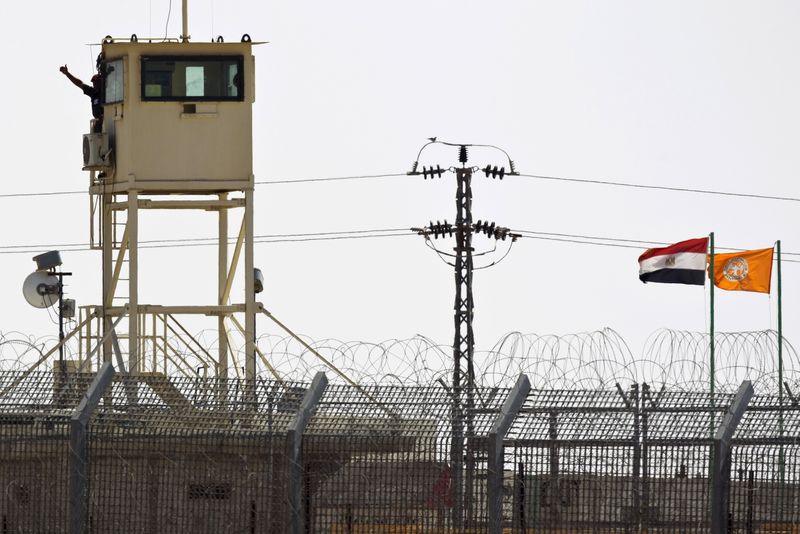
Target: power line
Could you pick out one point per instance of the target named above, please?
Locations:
(534, 176)
(641, 242)
(576, 239)
(330, 179)
(583, 239)
(213, 241)
(265, 182)
(560, 179)
(659, 187)
(580, 239)
(360, 234)
(618, 242)
(42, 194)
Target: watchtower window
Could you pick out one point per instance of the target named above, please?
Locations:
(196, 78)
(114, 81)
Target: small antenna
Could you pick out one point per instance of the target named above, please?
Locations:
(40, 289)
(185, 33)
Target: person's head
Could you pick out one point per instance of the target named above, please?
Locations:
(96, 80)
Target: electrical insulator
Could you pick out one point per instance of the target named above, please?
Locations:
(433, 173)
(441, 229)
(494, 171)
(462, 154)
(484, 227)
(512, 170)
(414, 167)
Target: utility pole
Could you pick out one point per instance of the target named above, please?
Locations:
(463, 385)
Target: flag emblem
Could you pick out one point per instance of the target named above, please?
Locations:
(735, 269)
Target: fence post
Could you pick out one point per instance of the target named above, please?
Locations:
(294, 441)
(79, 450)
(497, 434)
(720, 488)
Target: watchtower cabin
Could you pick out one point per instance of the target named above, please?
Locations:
(177, 117)
(176, 134)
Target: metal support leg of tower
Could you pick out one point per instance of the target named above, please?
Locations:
(222, 280)
(140, 315)
(250, 296)
(133, 282)
(108, 262)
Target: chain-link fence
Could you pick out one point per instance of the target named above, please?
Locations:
(35, 414)
(105, 452)
(180, 455)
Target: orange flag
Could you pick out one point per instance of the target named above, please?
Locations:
(750, 270)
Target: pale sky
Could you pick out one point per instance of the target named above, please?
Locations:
(688, 94)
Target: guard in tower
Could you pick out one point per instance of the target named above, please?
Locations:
(94, 92)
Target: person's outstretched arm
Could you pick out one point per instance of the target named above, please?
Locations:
(65, 71)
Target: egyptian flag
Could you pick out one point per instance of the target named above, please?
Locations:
(681, 263)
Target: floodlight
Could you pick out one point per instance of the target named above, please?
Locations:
(258, 281)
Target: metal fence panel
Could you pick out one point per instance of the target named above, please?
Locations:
(35, 412)
(176, 455)
(676, 490)
(765, 488)
(765, 468)
(191, 456)
(379, 460)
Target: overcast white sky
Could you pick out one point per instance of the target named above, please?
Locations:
(695, 94)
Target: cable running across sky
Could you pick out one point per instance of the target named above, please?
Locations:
(521, 175)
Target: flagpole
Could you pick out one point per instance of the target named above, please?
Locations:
(712, 406)
(780, 329)
(781, 459)
(711, 324)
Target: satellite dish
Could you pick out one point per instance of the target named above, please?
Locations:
(41, 289)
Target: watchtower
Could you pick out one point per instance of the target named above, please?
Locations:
(176, 134)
